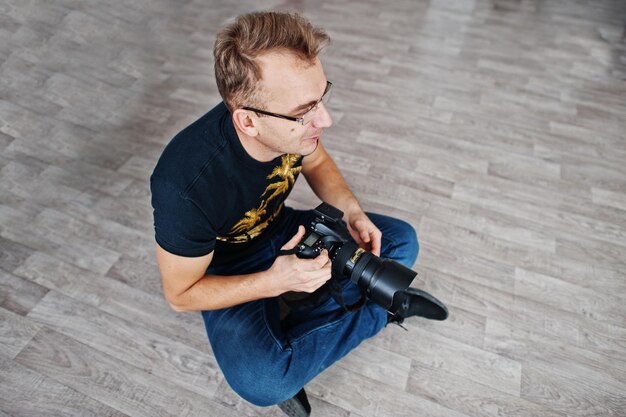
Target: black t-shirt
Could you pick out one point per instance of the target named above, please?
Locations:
(208, 194)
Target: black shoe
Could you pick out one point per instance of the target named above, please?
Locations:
(418, 303)
(297, 406)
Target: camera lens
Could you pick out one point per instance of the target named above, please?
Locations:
(380, 279)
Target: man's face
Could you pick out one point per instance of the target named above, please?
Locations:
(290, 87)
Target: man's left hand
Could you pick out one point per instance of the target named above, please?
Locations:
(364, 232)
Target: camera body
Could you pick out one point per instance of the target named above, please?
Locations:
(326, 232)
(380, 280)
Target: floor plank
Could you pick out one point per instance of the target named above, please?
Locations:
(496, 128)
(130, 389)
(20, 386)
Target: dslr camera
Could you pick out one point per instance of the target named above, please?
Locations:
(380, 280)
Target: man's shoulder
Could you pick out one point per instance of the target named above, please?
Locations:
(210, 123)
(194, 149)
(203, 135)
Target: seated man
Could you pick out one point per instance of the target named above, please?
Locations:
(218, 194)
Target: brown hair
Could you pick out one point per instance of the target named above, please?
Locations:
(250, 35)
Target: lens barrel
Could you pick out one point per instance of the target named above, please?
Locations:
(380, 279)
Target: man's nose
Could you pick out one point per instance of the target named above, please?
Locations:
(322, 118)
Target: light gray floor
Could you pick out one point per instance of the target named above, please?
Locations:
(496, 128)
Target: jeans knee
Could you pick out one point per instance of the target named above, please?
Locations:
(407, 243)
(262, 391)
(413, 242)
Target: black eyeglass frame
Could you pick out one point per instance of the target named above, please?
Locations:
(300, 120)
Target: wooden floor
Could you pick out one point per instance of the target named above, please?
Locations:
(496, 128)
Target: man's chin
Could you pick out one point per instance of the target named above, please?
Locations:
(306, 152)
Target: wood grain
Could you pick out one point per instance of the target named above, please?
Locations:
(28, 393)
(93, 373)
(496, 128)
(121, 339)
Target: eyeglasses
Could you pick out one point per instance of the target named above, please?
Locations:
(307, 116)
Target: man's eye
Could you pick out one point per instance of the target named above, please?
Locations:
(310, 109)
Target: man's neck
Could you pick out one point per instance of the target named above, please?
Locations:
(254, 148)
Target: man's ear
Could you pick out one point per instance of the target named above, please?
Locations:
(244, 122)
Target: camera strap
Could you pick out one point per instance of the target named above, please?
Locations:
(284, 252)
(336, 291)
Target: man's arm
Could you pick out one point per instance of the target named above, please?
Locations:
(328, 184)
(187, 287)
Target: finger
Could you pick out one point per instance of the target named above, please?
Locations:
(376, 244)
(318, 283)
(365, 236)
(324, 279)
(294, 240)
(316, 263)
(316, 279)
(314, 285)
(355, 235)
(319, 274)
(323, 258)
(363, 231)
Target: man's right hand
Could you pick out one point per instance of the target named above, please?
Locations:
(290, 273)
(187, 287)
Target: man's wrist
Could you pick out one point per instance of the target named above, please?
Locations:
(349, 205)
(266, 284)
(355, 210)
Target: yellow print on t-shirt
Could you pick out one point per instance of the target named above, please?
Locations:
(255, 220)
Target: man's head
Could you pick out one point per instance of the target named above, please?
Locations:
(239, 45)
(266, 63)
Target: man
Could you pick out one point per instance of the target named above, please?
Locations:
(218, 196)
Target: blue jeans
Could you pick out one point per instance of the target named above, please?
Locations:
(266, 360)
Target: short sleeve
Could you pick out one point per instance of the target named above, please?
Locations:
(180, 226)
